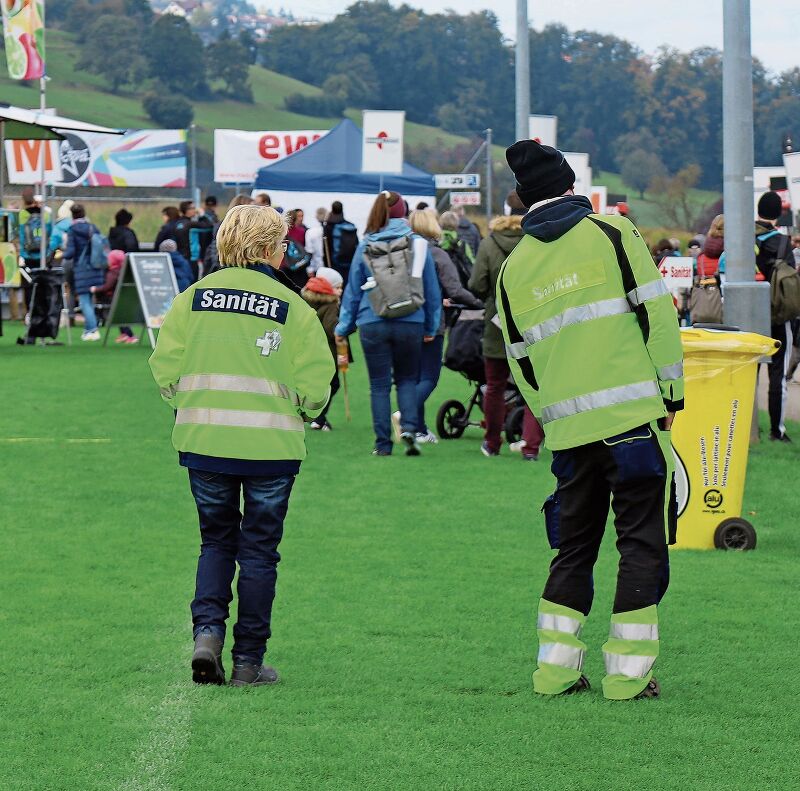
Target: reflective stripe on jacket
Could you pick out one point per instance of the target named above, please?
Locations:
(241, 358)
(591, 332)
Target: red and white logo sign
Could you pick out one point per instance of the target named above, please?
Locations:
(677, 272)
(239, 155)
(382, 150)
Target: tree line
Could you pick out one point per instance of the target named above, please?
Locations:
(649, 117)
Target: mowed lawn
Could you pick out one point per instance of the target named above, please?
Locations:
(404, 627)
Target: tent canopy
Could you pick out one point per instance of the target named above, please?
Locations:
(21, 124)
(333, 164)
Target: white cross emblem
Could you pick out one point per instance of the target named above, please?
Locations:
(271, 342)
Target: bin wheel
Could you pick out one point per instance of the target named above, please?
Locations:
(737, 534)
(450, 422)
(513, 425)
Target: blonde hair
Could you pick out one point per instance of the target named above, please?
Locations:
(424, 222)
(249, 234)
(717, 228)
(449, 221)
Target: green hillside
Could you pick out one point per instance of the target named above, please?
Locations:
(82, 95)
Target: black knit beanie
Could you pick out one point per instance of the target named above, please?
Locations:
(770, 206)
(542, 172)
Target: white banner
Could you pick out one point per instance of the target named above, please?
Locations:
(139, 158)
(583, 173)
(543, 129)
(239, 155)
(792, 164)
(383, 141)
(449, 181)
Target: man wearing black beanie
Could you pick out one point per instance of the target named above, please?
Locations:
(771, 247)
(592, 339)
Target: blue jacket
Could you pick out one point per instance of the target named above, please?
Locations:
(356, 310)
(183, 271)
(60, 231)
(78, 239)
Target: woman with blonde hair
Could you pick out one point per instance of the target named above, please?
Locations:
(243, 361)
(392, 346)
(425, 223)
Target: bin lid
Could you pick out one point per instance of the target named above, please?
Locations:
(733, 342)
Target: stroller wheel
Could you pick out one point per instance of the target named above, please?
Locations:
(450, 422)
(513, 425)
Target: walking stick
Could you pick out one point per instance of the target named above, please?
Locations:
(343, 363)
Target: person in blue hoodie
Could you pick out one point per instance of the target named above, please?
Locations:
(78, 251)
(392, 347)
(183, 269)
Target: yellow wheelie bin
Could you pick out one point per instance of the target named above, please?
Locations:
(711, 436)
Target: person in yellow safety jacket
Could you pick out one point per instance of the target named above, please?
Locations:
(243, 360)
(593, 342)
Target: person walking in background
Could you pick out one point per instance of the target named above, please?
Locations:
(594, 344)
(467, 231)
(323, 292)
(183, 270)
(211, 258)
(241, 383)
(505, 234)
(85, 275)
(170, 215)
(295, 259)
(297, 230)
(458, 250)
(796, 249)
(340, 240)
(31, 229)
(122, 236)
(210, 210)
(58, 238)
(314, 242)
(262, 199)
(425, 223)
(183, 233)
(772, 247)
(392, 346)
(708, 262)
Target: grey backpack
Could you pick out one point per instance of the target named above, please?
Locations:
(395, 289)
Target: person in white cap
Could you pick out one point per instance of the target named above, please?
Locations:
(323, 292)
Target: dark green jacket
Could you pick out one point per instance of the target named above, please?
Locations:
(493, 251)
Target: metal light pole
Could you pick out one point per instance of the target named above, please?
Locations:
(523, 73)
(747, 303)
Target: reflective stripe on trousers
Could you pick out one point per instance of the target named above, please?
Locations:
(654, 290)
(628, 665)
(559, 654)
(600, 399)
(238, 418)
(559, 623)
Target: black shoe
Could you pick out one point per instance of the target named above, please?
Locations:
(779, 437)
(409, 439)
(207, 659)
(246, 674)
(652, 690)
(581, 685)
(378, 452)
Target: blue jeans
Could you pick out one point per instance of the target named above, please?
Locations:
(228, 538)
(87, 308)
(430, 366)
(392, 348)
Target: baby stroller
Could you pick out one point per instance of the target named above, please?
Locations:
(465, 355)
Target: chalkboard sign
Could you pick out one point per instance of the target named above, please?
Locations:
(152, 277)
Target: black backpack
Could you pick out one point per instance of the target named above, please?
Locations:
(345, 242)
(458, 255)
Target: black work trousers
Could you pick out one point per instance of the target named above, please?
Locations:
(778, 369)
(631, 473)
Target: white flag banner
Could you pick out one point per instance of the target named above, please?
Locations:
(792, 164)
(24, 161)
(239, 155)
(543, 129)
(583, 173)
(383, 141)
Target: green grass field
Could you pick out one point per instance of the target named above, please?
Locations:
(403, 628)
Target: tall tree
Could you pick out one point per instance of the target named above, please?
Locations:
(175, 57)
(106, 35)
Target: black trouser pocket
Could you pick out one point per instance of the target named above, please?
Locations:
(552, 519)
(672, 513)
(637, 454)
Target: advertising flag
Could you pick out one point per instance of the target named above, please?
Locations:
(383, 141)
(543, 129)
(23, 31)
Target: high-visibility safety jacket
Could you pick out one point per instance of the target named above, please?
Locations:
(242, 358)
(590, 327)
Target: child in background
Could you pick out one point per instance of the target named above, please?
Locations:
(323, 292)
(183, 270)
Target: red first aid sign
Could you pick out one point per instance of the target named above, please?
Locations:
(239, 155)
(677, 272)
